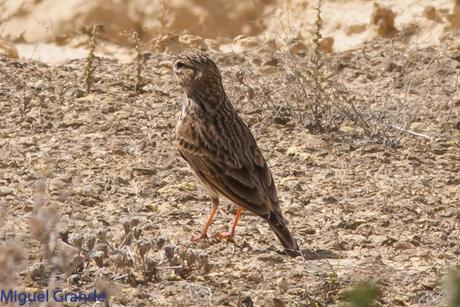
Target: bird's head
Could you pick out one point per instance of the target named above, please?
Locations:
(196, 73)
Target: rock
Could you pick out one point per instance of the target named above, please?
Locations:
(297, 47)
(255, 276)
(86, 190)
(278, 302)
(330, 200)
(247, 302)
(326, 44)
(193, 41)
(8, 49)
(431, 13)
(243, 42)
(268, 70)
(4, 191)
(356, 28)
(166, 43)
(384, 18)
(283, 284)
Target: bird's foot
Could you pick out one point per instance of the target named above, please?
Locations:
(203, 236)
(225, 236)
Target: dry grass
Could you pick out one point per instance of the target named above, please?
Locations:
(89, 68)
(324, 104)
(139, 62)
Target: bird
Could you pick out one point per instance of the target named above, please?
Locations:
(221, 150)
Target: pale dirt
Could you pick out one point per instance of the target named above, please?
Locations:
(74, 167)
(101, 171)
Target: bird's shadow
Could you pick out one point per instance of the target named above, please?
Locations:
(306, 254)
(310, 254)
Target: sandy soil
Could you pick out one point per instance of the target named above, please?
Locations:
(94, 194)
(347, 24)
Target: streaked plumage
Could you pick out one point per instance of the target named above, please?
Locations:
(221, 149)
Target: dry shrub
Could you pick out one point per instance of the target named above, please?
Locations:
(327, 104)
(89, 68)
(139, 63)
(321, 101)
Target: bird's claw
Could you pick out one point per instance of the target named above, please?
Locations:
(203, 236)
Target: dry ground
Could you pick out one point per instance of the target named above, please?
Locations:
(94, 194)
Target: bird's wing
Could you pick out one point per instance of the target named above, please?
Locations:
(240, 173)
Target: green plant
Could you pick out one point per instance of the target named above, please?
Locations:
(362, 295)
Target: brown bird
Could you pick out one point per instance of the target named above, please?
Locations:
(221, 150)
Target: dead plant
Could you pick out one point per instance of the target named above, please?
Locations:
(89, 68)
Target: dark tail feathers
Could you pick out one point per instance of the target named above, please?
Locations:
(279, 227)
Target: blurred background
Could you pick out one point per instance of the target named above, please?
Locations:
(54, 30)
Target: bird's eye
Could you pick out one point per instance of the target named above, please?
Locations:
(180, 65)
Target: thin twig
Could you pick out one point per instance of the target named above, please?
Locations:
(139, 63)
(413, 133)
(89, 69)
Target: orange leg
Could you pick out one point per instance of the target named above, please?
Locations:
(230, 236)
(204, 233)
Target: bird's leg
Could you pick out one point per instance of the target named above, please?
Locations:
(231, 235)
(204, 233)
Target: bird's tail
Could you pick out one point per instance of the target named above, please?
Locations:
(279, 227)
